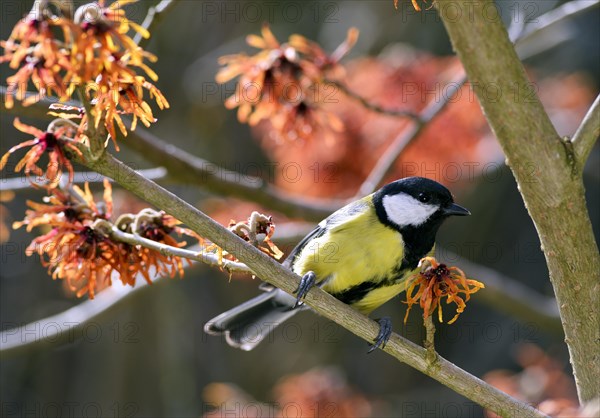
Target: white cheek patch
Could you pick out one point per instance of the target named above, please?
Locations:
(405, 210)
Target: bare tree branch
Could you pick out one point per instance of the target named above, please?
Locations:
(66, 326)
(554, 16)
(549, 180)
(154, 16)
(534, 38)
(520, 34)
(188, 169)
(587, 134)
(198, 255)
(406, 137)
(22, 183)
(369, 105)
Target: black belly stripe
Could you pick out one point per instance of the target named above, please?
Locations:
(356, 293)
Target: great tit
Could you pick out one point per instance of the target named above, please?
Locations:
(364, 254)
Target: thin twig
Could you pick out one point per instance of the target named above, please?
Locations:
(22, 183)
(369, 105)
(406, 137)
(65, 327)
(192, 170)
(554, 16)
(587, 134)
(429, 342)
(201, 256)
(91, 129)
(154, 16)
(532, 40)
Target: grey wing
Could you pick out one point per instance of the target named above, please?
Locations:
(315, 233)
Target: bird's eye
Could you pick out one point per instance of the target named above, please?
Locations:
(423, 198)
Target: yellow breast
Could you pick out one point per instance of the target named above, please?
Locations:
(358, 250)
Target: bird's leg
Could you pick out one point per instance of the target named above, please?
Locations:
(385, 332)
(306, 283)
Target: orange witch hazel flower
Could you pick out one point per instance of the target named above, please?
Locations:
(437, 281)
(108, 27)
(258, 230)
(113, 99)
(80, 250)
(51, 142)
(281, 83)
(158, 226)
(92, 52)
(32, 41)
(104, 53)
(73, 251)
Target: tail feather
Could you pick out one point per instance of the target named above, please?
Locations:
(246, 325)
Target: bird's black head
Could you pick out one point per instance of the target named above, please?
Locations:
(415, 202)
(416, 207)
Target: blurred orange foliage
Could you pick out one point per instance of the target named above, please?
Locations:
(543, 382)
(452, 148)
(406, 82)
(320, 392)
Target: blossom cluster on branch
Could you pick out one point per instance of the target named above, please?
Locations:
(284, 83)
(435, 282)
(80, 246)
(89, 53)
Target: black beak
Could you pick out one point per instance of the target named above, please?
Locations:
(456, 210)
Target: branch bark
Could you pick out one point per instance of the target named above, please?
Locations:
(323, 303)
(547, 173)
(397, 113)
(587, 134)
(18, 183)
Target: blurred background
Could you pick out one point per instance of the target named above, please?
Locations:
(148, 355)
